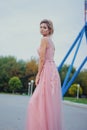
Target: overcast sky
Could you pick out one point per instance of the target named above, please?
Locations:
(19, 27)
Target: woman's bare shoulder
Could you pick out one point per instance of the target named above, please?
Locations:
(44, 40)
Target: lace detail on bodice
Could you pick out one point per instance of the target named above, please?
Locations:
(49, 61)
(49, 56)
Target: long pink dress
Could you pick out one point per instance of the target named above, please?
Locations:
(44, 110)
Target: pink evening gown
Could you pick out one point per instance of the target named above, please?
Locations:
(44, 109)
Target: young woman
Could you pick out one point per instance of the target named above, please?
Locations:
(44, 110)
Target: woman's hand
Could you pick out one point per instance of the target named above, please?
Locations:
(37, 79)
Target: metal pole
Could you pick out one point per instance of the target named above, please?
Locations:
(32, 81)
(78, 91)
(29, 88)
(85, 11)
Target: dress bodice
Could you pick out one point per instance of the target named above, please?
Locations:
(49, 56)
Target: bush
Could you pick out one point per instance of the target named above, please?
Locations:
(15, 84)
(73, 90)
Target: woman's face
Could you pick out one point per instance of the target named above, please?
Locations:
(44, 30)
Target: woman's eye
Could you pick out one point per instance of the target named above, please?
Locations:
(44, 27)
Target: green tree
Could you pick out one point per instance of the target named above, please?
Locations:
(31, 68)
(31, 71)
(73, 90)
(14, 84)
(22, 68)
(82, 80)
(63, 72)
(9, 67)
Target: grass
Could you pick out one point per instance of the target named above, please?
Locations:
(80, 100)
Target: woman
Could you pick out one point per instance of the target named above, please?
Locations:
(44, 111)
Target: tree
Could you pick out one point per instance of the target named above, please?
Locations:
(22, 68)
(14, 84)
(31, 68)
(82, 80)
(9, 67)
(73, 90)
(63, 72)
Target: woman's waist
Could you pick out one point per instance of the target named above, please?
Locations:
(49, 60)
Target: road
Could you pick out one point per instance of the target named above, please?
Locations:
(75, 117)
(13, 114)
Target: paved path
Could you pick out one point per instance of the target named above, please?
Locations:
(75, 116)
(13, 113)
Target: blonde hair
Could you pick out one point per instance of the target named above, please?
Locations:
(49, 25)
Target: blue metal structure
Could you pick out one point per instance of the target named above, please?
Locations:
(77, 41)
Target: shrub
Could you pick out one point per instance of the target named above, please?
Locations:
(14, 84)
(73, 90)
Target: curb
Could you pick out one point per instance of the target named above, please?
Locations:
(75, 104)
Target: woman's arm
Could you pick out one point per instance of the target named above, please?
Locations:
(43, 47)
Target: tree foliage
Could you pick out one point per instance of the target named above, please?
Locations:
(32, 68)
(73, 90)
(14, 84)
(63, 72)
(26, 71)
(10, 67)
(82, 80)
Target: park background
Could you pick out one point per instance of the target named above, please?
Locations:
(20, 38)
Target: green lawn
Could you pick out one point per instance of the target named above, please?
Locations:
(80, 100)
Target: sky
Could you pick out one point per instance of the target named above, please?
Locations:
(19, 28)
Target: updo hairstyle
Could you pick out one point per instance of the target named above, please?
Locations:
(49, 25)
